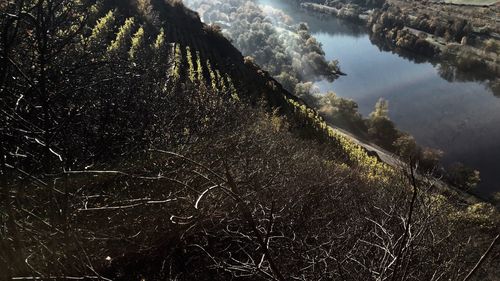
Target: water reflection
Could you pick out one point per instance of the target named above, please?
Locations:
(317, 22)
(449, 70)
(441, 105)
(326, 24)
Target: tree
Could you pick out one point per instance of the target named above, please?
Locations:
(430, 159)
(340, 112)
(381, 109)
(46, 35)
(146, 10)
(380, 128)
(496, 198)
(463, 177)
(407, 148)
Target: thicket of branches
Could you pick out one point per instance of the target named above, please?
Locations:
(125, 157)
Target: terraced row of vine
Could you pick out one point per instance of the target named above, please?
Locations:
(186, 59)
(188, 62)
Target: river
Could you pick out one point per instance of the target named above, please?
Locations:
(458, 117)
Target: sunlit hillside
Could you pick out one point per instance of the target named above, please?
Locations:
(139, 141)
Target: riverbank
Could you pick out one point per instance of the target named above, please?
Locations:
(390, 159)
(461, 35)
(442, 107)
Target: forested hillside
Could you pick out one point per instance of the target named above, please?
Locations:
(137, 143)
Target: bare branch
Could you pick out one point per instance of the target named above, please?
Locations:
(481, 260)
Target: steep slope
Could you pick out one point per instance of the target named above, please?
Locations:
(138, 143)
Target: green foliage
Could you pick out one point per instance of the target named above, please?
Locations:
(213, 77)
(430, 159)
(177, 63)
(159, 43)
(145, 7)
(483, 215)
(147, 11)
(191, 69)
(224, 179)
(102, 30)
(123, 38)
(232, 88)
(381, 109)
(95, 8)
(341, 112)
(369, 167)
(222, 82)
(160, 51)
(138, 44)
(382, 131)
(94, 11)
(380, 128)
(406, 147)
(463, 177)
(199, 69)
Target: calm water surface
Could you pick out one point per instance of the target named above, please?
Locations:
(460, 118)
